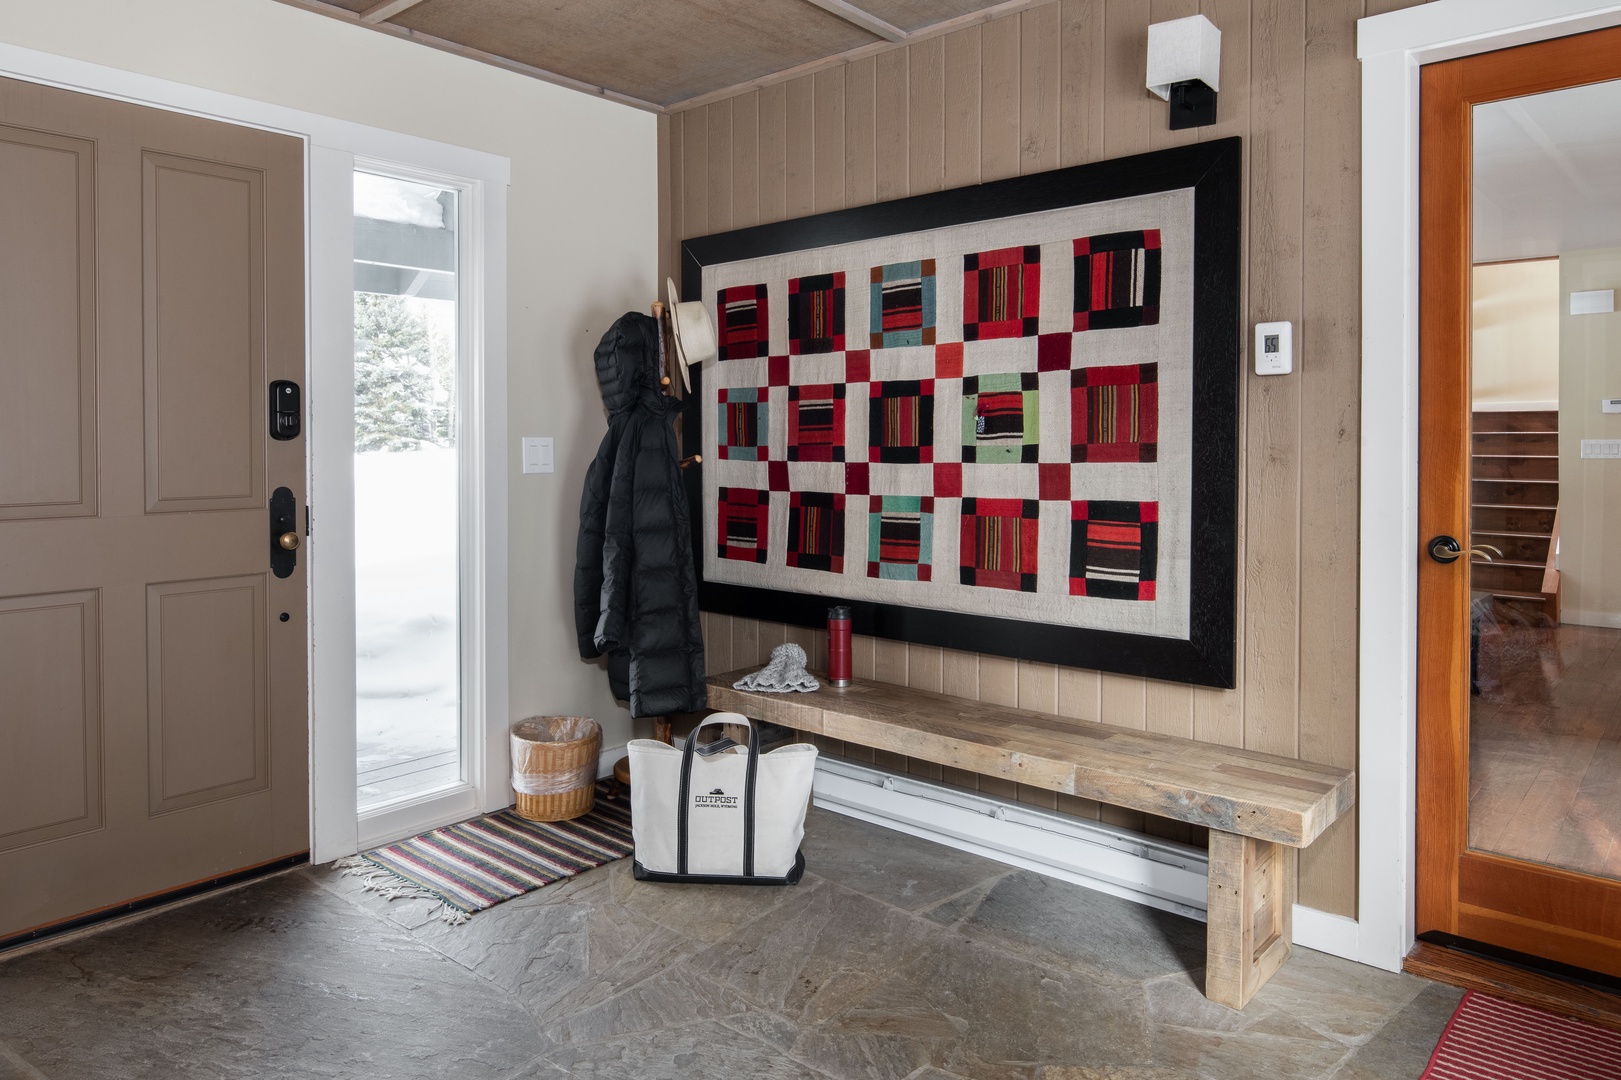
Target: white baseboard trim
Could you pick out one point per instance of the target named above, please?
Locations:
(1326, 933)
(1611, 619)
(1159, 873)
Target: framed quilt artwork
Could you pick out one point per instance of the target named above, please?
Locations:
(1000, 419)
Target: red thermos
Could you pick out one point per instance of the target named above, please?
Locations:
(838, 645)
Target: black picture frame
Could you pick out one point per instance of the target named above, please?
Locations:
(1206, 657)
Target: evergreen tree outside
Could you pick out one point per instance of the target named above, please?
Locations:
(405, 378)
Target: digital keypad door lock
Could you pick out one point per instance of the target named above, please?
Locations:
(286, 408)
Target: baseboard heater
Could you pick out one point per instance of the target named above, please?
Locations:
(1160, 873)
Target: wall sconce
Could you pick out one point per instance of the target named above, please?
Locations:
(1184, 68)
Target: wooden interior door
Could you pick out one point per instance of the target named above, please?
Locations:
(1522, 904)
(153, 689)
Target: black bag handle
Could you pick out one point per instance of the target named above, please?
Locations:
(684, 809)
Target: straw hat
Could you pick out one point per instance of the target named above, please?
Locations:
(694, 332)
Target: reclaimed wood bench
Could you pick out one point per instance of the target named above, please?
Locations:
(1259, 808)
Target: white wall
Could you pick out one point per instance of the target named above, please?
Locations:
(1514, 349)
(1589, 489)
(582, 239)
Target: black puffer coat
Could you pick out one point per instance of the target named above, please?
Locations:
(635, 594)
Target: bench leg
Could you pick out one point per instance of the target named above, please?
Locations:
(1251, 906)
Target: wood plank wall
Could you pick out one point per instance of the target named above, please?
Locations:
(1057, 85)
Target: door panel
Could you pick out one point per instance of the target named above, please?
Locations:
(48, 414)
(157, 697)
(50, 778)
(1511, 732)
(203, 242)
(206, 676)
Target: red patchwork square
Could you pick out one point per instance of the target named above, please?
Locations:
(1052, 352)
(777, 475)
(948, 360)
(948, 480)
(816, 422)
(1054, 480)
(1001, 293)
(855, 478)
(741, 528)
(816, 314)
(900, 424)
(1117, 280)
(999, 543)
(857, 366)
(816, 531)
(777, 371)
(1114, 550)
(1114, 413)
(744, 323)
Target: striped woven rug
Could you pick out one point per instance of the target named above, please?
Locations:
(477, 864)
(1492, 1039)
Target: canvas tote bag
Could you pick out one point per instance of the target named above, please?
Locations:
(729, 818)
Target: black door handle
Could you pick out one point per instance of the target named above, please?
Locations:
(283, 532)
(1445, 549)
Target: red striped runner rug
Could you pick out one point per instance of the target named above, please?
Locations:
(1492, 1039)
(477, 864)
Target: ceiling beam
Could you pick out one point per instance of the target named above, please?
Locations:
(386, 10)
(869, 22)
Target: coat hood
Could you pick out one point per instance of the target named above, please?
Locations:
(627, 360)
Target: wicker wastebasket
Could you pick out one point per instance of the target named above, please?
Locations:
(554, 766)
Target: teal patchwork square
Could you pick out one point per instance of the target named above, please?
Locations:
(902, 304)
(900, 538)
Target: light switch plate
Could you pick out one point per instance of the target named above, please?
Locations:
(1274, 348)
(1609, 404)
(537, 454)
(1601, 448)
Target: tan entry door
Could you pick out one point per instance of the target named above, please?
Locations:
(153, 689)
(1518, 759)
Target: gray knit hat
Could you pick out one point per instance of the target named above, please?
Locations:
(785, 673)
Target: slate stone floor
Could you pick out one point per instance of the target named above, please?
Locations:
(895, 959)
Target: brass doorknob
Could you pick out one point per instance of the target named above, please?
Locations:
(289, 541)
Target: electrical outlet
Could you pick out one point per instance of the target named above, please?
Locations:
(1601, 448)
(537, 454)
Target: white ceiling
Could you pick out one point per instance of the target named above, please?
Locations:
(1548, 173)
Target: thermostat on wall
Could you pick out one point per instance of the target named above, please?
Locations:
(1274, 348)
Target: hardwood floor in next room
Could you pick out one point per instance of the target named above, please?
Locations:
(1545, 744)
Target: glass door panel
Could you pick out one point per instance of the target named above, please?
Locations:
(1545, 504)
(407, 567)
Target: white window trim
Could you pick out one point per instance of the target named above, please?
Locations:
(332, 147)
(1392, 47)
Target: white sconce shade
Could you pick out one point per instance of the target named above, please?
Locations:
(1183, 50)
